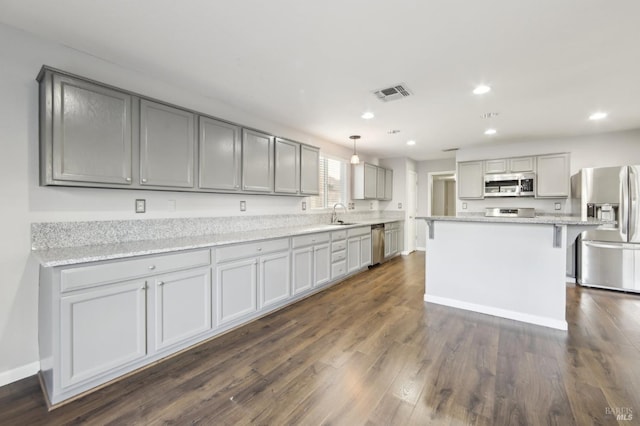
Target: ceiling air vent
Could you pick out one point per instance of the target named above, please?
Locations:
(450, 149)
(392, 93)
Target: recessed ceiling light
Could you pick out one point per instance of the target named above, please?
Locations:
(490, 132)
(490, 115)
(393, 131)
(411, 142)
(598, 115)
(368, 115)
(481, 90)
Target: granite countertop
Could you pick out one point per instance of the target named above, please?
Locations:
(93, 253)
(544, 220)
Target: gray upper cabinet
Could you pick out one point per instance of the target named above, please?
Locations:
(95, 135)
(167, 145)
(470, 180)
(309, 170)
(220, 155)
(553, 177)
(86, 132)
(287, 167)
(388, 184)
(257, 161)
(380, 183)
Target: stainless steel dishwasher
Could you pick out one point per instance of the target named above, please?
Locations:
(377, 243)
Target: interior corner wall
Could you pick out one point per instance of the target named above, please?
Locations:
(22, 55)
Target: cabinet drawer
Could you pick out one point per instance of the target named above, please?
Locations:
(338, 245)
(338, 256)
(355, 232)
(391, 225)
(307, 240)
(239, 251)
(338, 235)
(338, 269)
(87, 276)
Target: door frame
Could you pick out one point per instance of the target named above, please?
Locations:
(430, 176)
(412, 191)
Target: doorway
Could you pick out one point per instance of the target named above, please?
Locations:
(442, 194)
(411, 212)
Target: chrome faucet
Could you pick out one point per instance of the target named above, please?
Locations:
(334, 215)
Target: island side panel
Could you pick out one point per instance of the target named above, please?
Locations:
(510, 270)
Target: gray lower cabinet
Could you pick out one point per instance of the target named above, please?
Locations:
(85, 132)
(167, 146)
(358, 248)
(302, 269)
(309, 170)
(365, 251)
(353, 254)
(274, 279)
(101, 329)
(321, 264)
(220, 152)
(287, 167)
(182, 306)
(257, 161)
(338, 254)
(236, 289)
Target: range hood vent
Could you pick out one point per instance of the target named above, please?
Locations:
(392, 93)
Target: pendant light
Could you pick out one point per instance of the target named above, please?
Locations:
(354, 158)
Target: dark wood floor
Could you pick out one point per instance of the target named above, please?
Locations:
(370, 351)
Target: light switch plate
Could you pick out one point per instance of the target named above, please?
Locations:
(243, 206)
(304, 205)
(141, 206)
(399, 206)
(557, 205)
(464, 206)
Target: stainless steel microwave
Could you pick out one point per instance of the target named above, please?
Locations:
(510, 185)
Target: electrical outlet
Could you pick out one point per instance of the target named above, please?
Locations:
(371, 205)
(304, 205)
(399, 206)
(243, 206)
(141, 206)
(557, 206)
(464, 206)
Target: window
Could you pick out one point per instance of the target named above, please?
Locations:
(333, 183)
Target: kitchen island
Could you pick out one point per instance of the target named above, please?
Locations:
(508, 267)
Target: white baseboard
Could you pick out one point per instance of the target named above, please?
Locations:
(489, 310)
(19, 373)
(571, 280)
(421, 249)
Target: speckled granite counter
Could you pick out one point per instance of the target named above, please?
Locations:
(61, 256)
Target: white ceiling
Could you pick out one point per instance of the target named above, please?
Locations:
(312, 65)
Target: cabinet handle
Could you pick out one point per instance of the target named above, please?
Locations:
(144, 287)
(152, 267)
(144, 180)
(160, 282)
(259, 249)
(128, 179)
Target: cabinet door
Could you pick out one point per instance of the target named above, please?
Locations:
(287, 169)
(388, 184)
(470, 180)
(220, 154)
(353, 254)
(553, 177)
(274, 278)
(101, 330)
(321, 264)
(309, 170)
(380, 183)
(302, 270)
(370, 181)
(387, 242)
(394, 242)
(496, 166)
(167, 145)
(257, 161)
(365, 251)
(236, 289)
(182, 306)
(91, 133)
(522, 164)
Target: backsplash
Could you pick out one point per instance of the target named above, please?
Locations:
(46, 235)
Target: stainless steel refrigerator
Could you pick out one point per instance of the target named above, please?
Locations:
(609, 256)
